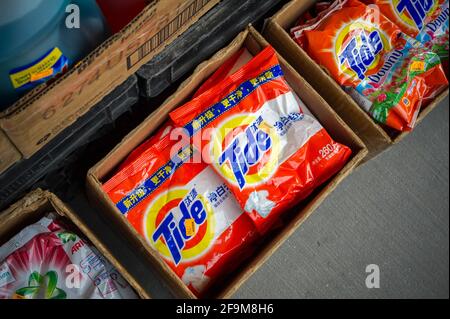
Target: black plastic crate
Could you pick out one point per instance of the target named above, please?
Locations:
(54, 165)
(212, 32)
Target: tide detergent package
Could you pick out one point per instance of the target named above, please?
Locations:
(184, 210)
(232, 64)
(388, 73)
(46, 261)
(425, 20)
(260, 138)
(238, 59)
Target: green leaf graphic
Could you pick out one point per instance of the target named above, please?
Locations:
(37, 282)
(65, 237)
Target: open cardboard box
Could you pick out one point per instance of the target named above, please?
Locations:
(100, 173)
(375, 136)
(34, 206)
(44, 112)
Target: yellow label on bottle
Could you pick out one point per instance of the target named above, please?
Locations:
(41, 75)
(40, 68)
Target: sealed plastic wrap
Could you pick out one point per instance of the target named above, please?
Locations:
(261, 139)
(234, 63)
(164, 130)
(185, 211)
(388, 73)
(46, 261)
(426, 21)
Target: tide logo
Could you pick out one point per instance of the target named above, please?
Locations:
(358, 47)
(245, 150)
(165, 226)
(414, 12)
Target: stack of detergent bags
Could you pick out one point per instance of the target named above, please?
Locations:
(220, 174)
(391, 56)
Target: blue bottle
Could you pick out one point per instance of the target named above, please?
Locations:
(39, 40)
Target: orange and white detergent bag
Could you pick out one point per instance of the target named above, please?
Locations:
(425, 20)
(388, 73)
(184, 210)
(260, 138)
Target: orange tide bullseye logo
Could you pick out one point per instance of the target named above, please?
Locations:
(245, 150)
(358, 49)
(165, 224)
(414, 12)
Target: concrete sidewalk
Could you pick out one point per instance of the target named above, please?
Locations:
(392, 212)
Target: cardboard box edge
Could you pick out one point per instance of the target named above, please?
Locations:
(38, 198)
(11, 116)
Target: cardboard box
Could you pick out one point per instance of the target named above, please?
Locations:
(104, 169)
(376, 138)
(34, 206)
(39, 116)
(8, 153)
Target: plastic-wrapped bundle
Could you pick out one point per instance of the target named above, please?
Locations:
(426, 21)
(47, 261)
(184, 210)
(261, 139)
(388, 73)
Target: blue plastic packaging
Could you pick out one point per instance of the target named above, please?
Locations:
(40, 40)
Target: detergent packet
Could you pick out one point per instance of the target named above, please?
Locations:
(261, 139)
(163, 131)
(230, 66)
(185, 211)
(425, 20)
(389, 74)
(46, 261)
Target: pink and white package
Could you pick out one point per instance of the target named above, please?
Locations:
(45, 261)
